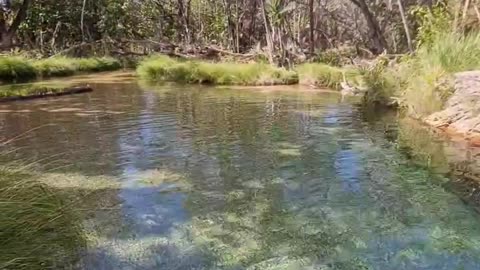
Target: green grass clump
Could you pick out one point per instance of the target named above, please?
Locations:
(37, 228)
(96, 64)
(21, 69)
(24, 90)
(16, 68)
(57, 66)
(323, 75)
(163, 68)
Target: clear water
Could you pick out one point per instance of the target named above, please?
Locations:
(210, 178)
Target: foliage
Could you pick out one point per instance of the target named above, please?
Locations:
(163, 68)
(432, 22)
(336, 56)
(37, 229)
(424, 81)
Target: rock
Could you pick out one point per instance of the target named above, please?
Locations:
(461, 115)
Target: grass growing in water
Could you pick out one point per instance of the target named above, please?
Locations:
(37, 229)
(21, 69)
(163, 68)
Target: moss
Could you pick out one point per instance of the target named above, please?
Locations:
(162, 68)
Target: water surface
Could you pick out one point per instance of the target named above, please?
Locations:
(215, 178)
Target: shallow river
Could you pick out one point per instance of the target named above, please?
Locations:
(216, 178)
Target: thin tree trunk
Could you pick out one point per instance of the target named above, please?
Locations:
(82, 17)
(268, 34)
(7, 33)
(458, 7)
(465, 11)
(312, 38)
(405, 26)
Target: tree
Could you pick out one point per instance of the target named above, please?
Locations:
(8, 31)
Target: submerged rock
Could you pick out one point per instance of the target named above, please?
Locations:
(461, 114)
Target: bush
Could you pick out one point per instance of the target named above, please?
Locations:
(323, 75)
(163, 68)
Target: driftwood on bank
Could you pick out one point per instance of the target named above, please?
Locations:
(44, 94)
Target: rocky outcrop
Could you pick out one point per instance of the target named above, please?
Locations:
(461, 115)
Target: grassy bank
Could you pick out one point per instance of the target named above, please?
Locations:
(423, 82)
(38, 230)
(162, 68)
(22, 69)
(26, 90)
(323, 75)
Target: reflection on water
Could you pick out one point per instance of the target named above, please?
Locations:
(202, 178)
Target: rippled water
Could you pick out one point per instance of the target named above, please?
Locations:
(205, 178)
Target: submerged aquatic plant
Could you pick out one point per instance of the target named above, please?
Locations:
(38, 229)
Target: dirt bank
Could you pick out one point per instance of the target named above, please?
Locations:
(461, 114)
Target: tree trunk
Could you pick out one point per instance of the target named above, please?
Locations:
(7, 33)
(379, 42)
(312, 38)
(405, 26)
(268, 34)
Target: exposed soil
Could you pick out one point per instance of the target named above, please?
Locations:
(461, 115)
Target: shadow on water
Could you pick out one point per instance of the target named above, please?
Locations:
(203, 178)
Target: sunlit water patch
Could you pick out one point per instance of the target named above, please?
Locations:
(203, 178)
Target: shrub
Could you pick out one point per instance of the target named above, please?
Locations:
(323, 75)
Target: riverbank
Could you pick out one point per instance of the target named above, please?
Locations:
(430, 86)
(163, 68)
(15, 69)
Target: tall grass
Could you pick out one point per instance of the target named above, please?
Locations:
(38, 230)
(16, 68)
(22, 69)
(63, 66)
(424, 81)
(163, 68)
(323, 75)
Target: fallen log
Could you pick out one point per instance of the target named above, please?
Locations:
(49, 93)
